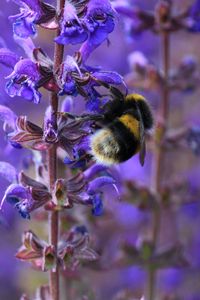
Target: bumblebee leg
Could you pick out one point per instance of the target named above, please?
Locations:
(85, 117)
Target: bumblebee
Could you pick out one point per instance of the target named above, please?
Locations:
(122, 129)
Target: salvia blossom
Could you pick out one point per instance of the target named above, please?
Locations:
(72, 31)
(22, 81)
(70, 79)
(74, 79)
(86, 21)
(32, 13)
(26, 196)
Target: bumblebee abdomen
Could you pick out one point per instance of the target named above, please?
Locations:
(114, 143)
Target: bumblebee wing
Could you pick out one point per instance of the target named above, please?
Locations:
(142, 152)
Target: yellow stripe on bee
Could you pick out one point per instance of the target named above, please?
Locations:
(131, 123)
(135, 97)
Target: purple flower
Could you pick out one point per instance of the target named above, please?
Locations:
(98, 183)
(94, 189)
(73, 79)
(99, 21)
(21, 198)
(32, 12)
(66, 80)
(88, 22)
(72, 30)
(22, 81)
(194, 17)
(26, 196)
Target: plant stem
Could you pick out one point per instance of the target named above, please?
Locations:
(163, 118)
(52, 169)
(158, 159)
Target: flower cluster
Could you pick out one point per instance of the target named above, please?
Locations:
(73, 248)
(85, 188)
(82, 21)
(86, 21)
(72, 78)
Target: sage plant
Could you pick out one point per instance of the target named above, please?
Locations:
(88, 24)
(63, 179)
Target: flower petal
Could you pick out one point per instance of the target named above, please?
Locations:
(14, 193)
(108, 77)
(94, 170)
(96, 184)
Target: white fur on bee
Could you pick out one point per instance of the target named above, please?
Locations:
(104, 147)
